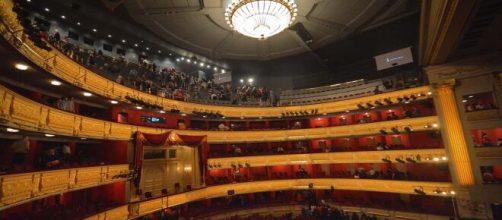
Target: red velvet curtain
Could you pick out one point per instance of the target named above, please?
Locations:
(195, 141)
(141, 139)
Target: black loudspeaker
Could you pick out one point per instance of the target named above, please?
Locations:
(302, 32)
(231, 192)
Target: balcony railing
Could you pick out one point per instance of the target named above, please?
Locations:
(324, 158)
(61, 66)
(137, 209)
(20, 112)
(19, 188)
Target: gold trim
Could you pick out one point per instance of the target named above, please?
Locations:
(21, 188)
(456, 144)
(23, 113)
(142, 208)
(325, 158)
(59, 65)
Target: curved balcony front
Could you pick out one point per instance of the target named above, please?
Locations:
(61, 66)
(137, 209)
(20, 112)
(20, 188)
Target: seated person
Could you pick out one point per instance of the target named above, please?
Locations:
(280, 149)
(487, 142)
(303, 173)
(51, 160)
(392, 116)
(223, 127)
(380, 146)
(182, 125)
(343, 121)
(237, 150)
(300, 148)
(297, 125)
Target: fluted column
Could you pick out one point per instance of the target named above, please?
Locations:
(456, 144)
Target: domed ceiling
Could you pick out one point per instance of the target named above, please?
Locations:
(199, 25)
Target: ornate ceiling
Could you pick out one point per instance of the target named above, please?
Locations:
(199, 25)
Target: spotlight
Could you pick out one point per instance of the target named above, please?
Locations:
(438, 191)
(383, 132)
(395, 130)
(55, 83)
(78, 23)
(400, 160)
(136, 45)
(162, 111)
(360, 106)
(413, 97)
(386, 160)
(12, 130)
(139, 107)
(370, 105)
(419, 190)
(444, 158)
(250, 80)
(408, 130)
(63, 17)
(378, 103)
(21, 66)
(411, 160)
(114, 102)
(429, 93)
(87, 94)
(399, 99)
(49, 135)
(94, 30)
(47, 9)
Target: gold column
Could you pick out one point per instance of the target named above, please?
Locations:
(456, 144)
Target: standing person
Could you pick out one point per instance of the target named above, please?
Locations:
(20, 149)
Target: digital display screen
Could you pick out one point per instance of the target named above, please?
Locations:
(394, 58)
(151, 119)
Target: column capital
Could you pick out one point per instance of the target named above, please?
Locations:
(447, 83)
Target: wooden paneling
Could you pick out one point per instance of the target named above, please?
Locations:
(19, 188)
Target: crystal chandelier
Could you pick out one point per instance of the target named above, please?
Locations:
(260, 18)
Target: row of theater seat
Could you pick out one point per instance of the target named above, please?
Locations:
(323, 88)
(333, 97)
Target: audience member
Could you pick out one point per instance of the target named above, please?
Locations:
(20, 148)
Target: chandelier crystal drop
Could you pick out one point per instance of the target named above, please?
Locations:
(260, 18)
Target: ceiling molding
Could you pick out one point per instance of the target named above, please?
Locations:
(441, 26)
